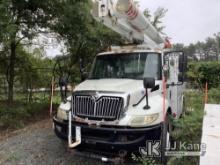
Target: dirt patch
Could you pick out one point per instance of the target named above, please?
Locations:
(37, 144)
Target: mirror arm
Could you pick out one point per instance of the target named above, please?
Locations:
(134, 105)
(63, 84)
(146, 107)
(152, 90)
(173, 84)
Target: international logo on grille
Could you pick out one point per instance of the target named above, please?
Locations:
(95, 97)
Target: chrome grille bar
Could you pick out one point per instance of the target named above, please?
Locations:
(106, 107)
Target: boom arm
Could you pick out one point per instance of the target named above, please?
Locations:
(124, 17)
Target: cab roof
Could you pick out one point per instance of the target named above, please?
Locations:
(129, 49)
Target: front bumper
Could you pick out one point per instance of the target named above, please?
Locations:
(109, 137)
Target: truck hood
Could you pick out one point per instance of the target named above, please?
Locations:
(113, 85)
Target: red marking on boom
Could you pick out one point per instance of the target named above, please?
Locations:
(132, 12)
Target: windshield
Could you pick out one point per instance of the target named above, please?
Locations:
(130, 65)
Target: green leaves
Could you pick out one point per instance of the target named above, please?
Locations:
(32, 71)
(156, 19)
(201, 72)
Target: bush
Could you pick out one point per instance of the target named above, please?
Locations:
(201, 72)
(214, 96)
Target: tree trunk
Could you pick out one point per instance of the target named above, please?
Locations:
(11, 73)
(5, 88)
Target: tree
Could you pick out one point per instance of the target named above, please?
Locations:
(190, 50)
(32, 71)
(156, 19)
(19, 20)
(208, 50)
(178, 46)
(217, 38)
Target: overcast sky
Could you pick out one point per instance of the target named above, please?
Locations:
(188, 21)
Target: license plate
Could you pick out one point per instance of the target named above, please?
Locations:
(78, 133)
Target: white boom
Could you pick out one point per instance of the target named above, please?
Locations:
(124, 17)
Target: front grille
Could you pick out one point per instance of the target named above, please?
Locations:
(106, 107)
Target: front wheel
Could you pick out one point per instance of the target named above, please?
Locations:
(165, 139)
(183, 107)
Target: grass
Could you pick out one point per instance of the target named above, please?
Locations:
(189, 128)
(18, 115)
(21, 113)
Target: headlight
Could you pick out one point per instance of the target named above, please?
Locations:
(139, 121)
(63, 110)
(62, 114)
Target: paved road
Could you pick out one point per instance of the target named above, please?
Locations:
(36, 145)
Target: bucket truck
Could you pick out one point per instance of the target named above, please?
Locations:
(131, 92)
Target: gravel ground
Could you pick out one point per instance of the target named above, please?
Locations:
(37, 144)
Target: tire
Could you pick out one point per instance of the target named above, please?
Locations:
(165, 140)
(183, 108)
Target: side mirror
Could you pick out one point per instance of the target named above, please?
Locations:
(84, 76)
(182, 63)
(149, 82)
(63, 82)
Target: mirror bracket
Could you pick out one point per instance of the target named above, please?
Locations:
(173, 84)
